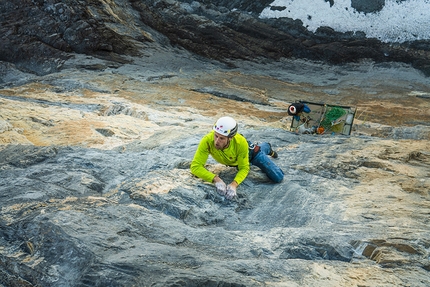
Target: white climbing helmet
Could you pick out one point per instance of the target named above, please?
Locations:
(226, 126)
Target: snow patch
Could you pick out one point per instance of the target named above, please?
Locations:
(398, 21)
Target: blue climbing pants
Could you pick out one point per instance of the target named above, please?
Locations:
(262, 160)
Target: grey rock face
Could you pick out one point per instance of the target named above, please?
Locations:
(111, 218)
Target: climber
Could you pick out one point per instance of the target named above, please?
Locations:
(228, 147)
(297, 109)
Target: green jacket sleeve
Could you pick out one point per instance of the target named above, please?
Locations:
(199, 161)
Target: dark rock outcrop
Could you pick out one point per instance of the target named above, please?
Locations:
(36, 35)
(368, 6)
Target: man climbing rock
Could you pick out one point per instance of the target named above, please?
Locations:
(228, 147)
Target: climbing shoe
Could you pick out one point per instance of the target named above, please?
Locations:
(273, 153)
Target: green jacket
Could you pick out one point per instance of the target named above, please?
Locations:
(235, 155)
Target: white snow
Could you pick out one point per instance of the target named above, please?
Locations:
(397, 22)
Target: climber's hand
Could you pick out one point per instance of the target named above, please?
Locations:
(231, 191)
(221, 187)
